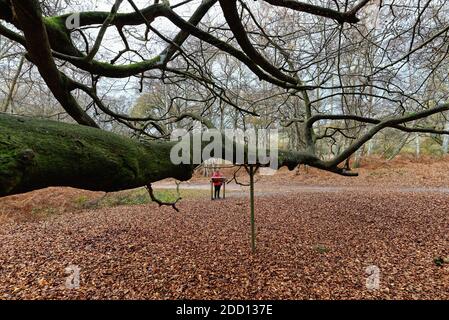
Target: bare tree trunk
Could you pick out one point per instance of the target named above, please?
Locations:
(446, 140)
(418, 145)
(399, 147)
(358, 157)
(370, 147)
(13, 85)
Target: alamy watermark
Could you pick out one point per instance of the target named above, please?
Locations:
(73, 21)
(373, 279)
(73, 279)
(251, 147)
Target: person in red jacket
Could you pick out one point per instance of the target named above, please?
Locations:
(217, 180)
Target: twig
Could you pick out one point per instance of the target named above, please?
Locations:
(161, 203)
(247, 170)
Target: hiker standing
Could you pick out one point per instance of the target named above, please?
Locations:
(217, 180)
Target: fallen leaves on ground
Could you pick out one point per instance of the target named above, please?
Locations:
(309, 246)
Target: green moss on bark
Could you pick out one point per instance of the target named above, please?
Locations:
(38, 153)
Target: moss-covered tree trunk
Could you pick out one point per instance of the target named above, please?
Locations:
(38, 153)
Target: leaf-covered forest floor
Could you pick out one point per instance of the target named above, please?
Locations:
(316, 236)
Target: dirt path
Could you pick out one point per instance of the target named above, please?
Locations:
(265, 189)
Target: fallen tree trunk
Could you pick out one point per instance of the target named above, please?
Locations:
(37, 153)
